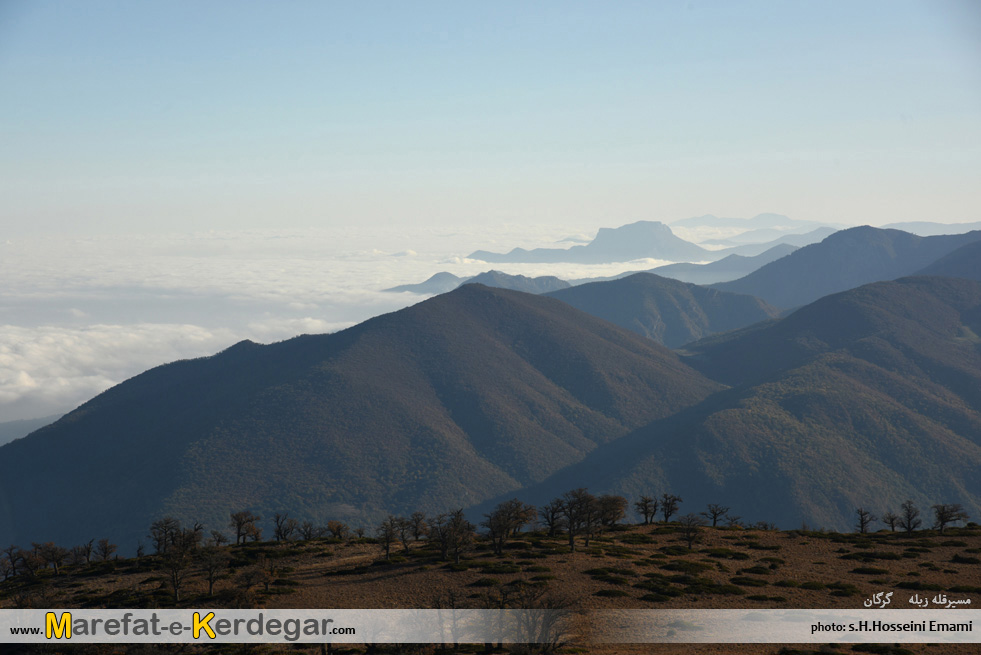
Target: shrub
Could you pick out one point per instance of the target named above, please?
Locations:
(756, 570)
(611, 593)
(725, 553)
(843, 589)
(920, 586)
(683, 566)
(655, 598)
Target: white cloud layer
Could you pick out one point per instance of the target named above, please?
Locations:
(50, 369)
(80, 314)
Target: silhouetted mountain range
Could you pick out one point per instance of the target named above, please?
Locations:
(438, 283)
(462, 397)
(725, 269)
(640, 240)
(670, 312)
(799, 240)
(443, 282)
(928, 229)
(766, 221)
(845, 260)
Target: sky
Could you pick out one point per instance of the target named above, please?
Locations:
(122, 116)
(177, 176)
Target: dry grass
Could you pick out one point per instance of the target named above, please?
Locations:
(793, 570)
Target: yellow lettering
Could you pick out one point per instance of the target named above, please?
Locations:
(60, 628)
(200, 623)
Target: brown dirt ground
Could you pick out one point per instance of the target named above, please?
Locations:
(355, 575)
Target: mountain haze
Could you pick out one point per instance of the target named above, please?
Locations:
(964, 262)
(862, 399)
(728, 268)
(459, 398)
(845, 260)
(443, 282)
(640, 240)
(670, 312)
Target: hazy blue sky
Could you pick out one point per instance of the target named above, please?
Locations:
(133, 116)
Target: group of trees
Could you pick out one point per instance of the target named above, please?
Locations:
(576, 514)
(450, 533)
(908, 519)
(15, 561)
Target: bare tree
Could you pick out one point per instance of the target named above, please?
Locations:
(177, 563)
(461, 533)
(451, 533)
(690, 523)
(891, 519)
(6, 569)
(404, 529)
(497, 529)
(506, 520)
(714, 512)
(865, 519)
(338, 529)
(551, 515)
(387, 533)
(946, 514)
(218, 539)
(418, 524)
(163, 532)
(647, 507)
(309, 531)
(52, 554)
(104, 549)
(612, 509)
(30, 560)
(77, 555)
(733, 521)
(244, 525)
(214, 561)
(909, 517)
(87, 549)
(13, 556)
(578, 510)
(438, 529)
(669, 505)
(285, 526)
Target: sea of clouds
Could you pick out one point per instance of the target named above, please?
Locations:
(81, 314)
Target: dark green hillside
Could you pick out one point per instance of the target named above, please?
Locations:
(457, 399)
(668, 311)
(845, 260)
(963, 262)
(865, 398)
